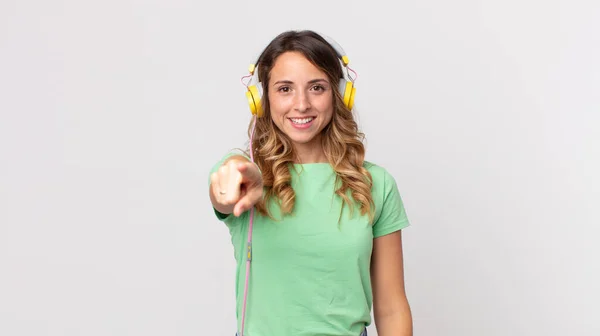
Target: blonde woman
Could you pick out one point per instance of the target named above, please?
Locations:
(319, 225)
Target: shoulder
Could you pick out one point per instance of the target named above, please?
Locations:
(373, 167)
(390, 214)
(382, 178)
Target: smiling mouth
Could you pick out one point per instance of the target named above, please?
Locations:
(302, 121)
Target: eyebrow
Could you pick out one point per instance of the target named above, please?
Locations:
(317, 80)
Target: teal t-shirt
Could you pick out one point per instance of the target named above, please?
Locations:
(310, 272)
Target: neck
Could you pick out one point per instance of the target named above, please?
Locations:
(310, 153)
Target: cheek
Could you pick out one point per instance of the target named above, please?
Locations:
(279, 106)
(325, 106)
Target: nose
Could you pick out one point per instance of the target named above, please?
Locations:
(302, 102)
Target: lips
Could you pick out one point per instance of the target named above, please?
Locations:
(302, 123)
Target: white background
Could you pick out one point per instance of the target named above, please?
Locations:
(112, 113)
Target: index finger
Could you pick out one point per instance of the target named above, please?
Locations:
(245, 168)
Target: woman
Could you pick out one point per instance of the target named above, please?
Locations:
(324, 224)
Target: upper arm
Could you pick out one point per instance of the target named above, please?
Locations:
(387, 265)
(387, 274)
(391, 214)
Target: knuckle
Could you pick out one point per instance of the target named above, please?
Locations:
(232, 163)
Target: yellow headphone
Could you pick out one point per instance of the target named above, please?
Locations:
(346, 86)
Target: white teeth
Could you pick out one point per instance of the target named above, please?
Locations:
(301, 121)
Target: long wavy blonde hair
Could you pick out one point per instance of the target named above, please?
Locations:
(341, 139)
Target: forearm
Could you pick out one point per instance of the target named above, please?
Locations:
(396, 323)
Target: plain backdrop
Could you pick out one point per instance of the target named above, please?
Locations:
(113, 112)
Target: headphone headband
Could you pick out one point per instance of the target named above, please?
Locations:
(338, 49)
(341, 54)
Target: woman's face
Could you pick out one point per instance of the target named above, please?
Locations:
(300, 98)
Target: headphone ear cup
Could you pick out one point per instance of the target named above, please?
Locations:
(351, 100)
(347, 92)
(251, 104)
(254, 96)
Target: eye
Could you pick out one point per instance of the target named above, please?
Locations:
(318, 87)
(284, 89)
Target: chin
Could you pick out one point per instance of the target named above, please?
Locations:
(301, 139)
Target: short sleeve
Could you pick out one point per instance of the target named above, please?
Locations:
(393, 214)
(215, 167)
